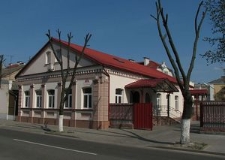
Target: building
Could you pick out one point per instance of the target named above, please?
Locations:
(9, 91)
(101, 79)
(218, 87)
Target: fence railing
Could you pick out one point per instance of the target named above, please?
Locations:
(121, 114)
(212, 114)
(162, 110)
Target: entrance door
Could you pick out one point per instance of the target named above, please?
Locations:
(136, 97)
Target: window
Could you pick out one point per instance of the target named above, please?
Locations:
(51, 98)
(27, 98)
(87, 92)
(48, 57)
(118, 97)
(58, 54)
(38, 98)
(68, 102)
(158, 100)
(176, 103)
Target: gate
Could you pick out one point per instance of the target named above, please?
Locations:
(138, 115)
(142, 116)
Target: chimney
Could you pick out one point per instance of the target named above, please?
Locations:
(146, 61)
(131, 60)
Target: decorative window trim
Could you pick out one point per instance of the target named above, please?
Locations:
(118, 95)
(68, 102)
(87, 98)
(26, 99)
(38, 98)
(51, 98)
(176, 103)
(48, 57)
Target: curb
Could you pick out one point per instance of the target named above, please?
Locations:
(190, 150)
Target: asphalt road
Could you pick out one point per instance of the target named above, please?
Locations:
(16, 145)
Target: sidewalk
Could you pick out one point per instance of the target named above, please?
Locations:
(160, 136)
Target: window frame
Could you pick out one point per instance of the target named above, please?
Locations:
(48, 57)
(176, 103)
(27, 99)
(59, 55)
(38, 98)
(158, 100)
(51, 98)
(69, 101)
(118, 96)
(87, 98)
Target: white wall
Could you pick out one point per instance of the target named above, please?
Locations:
(117, 81)
(80, 84)
(4, 99)
(39, 64)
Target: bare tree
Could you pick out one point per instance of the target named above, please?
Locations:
(173, 55)
(68, 74)
(217, 18)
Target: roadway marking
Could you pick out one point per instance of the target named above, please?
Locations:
(67, 149)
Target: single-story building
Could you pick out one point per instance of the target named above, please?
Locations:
(101, 79)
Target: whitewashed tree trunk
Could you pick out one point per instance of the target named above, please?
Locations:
(185, 131)
(60, 123)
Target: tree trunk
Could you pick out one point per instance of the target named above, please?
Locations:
(60, 123)
(186, 119)
(185, 131)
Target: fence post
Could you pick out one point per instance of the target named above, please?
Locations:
(201, 114)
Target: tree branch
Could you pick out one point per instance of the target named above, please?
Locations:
(160, 14)
(197, 33)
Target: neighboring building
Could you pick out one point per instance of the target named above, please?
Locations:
(11, 70)
(9, 91)
(218, 87)
(101, 79)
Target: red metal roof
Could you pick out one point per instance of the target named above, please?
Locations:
(119, 63)
(144, 83)
(162, 85)
(198, 91)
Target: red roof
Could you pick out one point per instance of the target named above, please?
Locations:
(144, 83)
(156, 84)
(153, 65)
(119, 63)
(198, 91)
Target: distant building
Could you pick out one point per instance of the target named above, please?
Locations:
(9, 91)
(218, 86)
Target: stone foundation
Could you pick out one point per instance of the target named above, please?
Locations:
(66, 122)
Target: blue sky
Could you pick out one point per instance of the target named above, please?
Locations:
(123, 28)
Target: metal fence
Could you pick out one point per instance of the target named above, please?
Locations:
(138, 115)
(121, 114)
(212, 115)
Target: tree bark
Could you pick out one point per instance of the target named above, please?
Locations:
(186, 119)
(185, 131)
(60, 123)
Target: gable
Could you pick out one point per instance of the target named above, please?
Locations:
(45, 61)
(90, 57)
